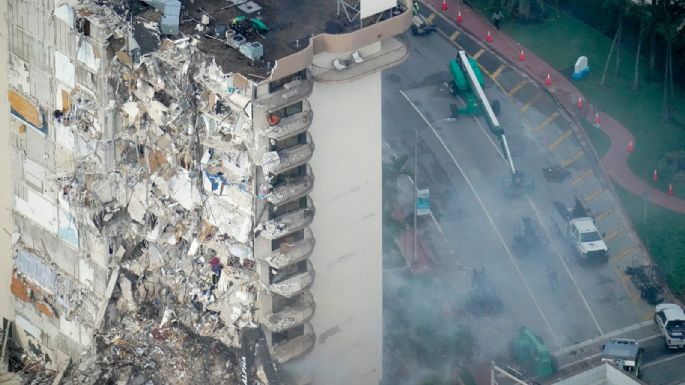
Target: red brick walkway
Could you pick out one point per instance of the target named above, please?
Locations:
(614, 162)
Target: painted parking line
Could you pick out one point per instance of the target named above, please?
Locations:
(477, 54)
(531, 101)
(661, 361)
(613, 234)
(572, 159)
(621, 254)
(454, 36)
(604, 214)
(547, 121)
(596, 355)
(498, 71)
(563, 137)
(517, 88)
(581, 177)
(430, 18)
(594, 340)
(592, 195)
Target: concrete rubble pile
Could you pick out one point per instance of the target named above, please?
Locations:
(171, 190)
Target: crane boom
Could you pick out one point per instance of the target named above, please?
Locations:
(483, 101)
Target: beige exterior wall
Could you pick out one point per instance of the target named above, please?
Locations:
(6, 309)
(347, 226)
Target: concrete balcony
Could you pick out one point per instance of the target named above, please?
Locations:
(292, 252)
(288, 223)
(296, 347)
(391, 53)
(292, 125)
(294, 285)
(291, 92)
(290, 158)
(297, 314)
(291, 189)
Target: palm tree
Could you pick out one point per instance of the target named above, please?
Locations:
(620, 6)
(643, 14)
(673, 15)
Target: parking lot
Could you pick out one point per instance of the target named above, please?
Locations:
(572, 307)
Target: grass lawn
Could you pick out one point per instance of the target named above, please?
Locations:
(599, 140)
(560, 41)
(662, 233)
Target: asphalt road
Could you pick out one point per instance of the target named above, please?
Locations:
(461, 163)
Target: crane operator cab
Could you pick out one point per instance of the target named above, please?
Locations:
(623, 353)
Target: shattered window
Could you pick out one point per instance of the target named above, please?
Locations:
(278, 84)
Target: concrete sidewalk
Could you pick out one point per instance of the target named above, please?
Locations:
(566, 94)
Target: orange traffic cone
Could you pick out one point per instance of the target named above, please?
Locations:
(670, 189)
(655, 176)
(444, 5)
(489, 37)
(579, 103)
(522, 56)
(459, 18)
(548, 81)
(631, 146)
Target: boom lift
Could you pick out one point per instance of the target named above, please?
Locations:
(468, 81)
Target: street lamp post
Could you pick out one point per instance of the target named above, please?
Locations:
(416, 185)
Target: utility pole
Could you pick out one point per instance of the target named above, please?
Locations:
(416, 184)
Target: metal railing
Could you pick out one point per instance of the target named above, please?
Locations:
(380, 61)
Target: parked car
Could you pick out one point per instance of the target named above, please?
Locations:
(670, 319)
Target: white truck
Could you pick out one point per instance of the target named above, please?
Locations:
(670, 319)
(580, 228)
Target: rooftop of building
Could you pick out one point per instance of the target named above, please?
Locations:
(290, 24)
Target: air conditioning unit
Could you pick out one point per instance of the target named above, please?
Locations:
(253, 50)
(236, 41)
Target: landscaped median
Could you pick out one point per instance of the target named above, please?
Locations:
(560, 40)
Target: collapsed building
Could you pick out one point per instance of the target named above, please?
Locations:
(162, 182)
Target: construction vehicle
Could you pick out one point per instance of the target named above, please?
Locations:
(648, 280)
(580, 228)
(483, 300)
(467, 82)
(421, 26)
(623, 353)
(530, 352)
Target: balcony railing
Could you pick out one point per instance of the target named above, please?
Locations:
(287, 223)
(291, 190)
(291, 92)
(291, 253)
(297, 314)
(291, 125)
(294, 285)
(296, 347)
(392, 53)
(291, 157)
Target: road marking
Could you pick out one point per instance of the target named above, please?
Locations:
(477, 54)
(430, 18)
(454, 36)
(498, 71)
(661, 361)
(489, 217)
(592, 195)
(572, 159)
(623, 253)
(604, 214)
(517, 88)
(547, 121)
(563, 137)
(531, 101)
(608, 335)
(613, 234)
(581, 177)
(549, 237)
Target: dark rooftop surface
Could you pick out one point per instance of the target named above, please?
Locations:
(287, 21)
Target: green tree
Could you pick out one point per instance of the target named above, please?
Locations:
(522, 8)
(643, 14)
(619, 7)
